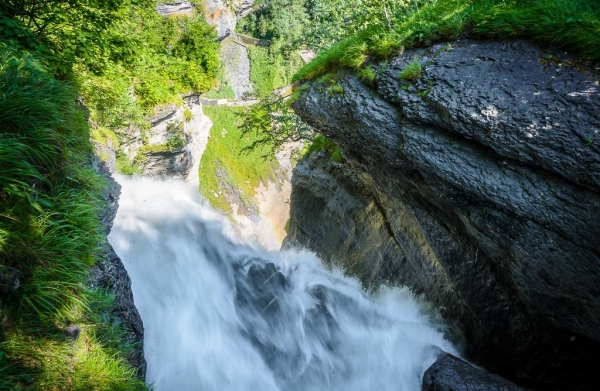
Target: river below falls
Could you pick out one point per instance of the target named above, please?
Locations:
(222, 313)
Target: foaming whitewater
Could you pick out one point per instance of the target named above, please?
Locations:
(220, 314)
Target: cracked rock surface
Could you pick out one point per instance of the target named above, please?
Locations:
(477, 185)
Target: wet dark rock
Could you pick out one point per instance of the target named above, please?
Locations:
(450, 373)
(72, 331)
(477, 185)
(108, 273)
(167, 163)
(260, 288)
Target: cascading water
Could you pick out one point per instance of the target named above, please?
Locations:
(220, 314)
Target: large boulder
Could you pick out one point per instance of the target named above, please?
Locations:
(450, 373)
(478, 185)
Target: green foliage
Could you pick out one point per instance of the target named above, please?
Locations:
(105, 136)
(367, 74)
(47, 360)
(172, 56)
(221, 92)
(175, 141)
(49, 233)
(315, 24)
(270, 70)
(197, 46)
(272, 123)
(320, 143)
(280, 20)
(64, 32)
(124, 166)
(573, 25)
(413, 71)
(187, 114)
(228, 164)
(262, 70)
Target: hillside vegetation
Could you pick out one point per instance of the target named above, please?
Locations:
(71, 69)
(229, 168)
(396, 25)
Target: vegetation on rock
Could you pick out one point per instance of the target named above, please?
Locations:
(49, 233)
(570, 24)
(272, 123)
(120, 59)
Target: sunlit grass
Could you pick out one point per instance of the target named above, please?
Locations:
(573, 25)
(227, 163)
(49, 236)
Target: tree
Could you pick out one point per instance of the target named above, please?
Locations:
(65, 31)
(198, 45)
(275, 123)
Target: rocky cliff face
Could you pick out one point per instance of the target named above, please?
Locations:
(108, 273)
(475, 181)
(167, 148)
(174, 7)
(223, 14)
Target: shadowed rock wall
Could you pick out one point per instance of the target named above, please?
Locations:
(477, 184)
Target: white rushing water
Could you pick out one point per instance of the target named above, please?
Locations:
(223, 315)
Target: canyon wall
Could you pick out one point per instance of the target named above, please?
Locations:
(476, 182)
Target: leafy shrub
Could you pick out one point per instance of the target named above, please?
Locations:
(320, 143)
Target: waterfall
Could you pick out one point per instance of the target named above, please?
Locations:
(222, 314)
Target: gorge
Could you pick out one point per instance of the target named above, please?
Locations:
(299, 195)
(222, 314)
(416, 203)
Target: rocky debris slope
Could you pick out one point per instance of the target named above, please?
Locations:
(474, 180)
(236, 63)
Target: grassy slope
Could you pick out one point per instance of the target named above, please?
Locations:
(573, 25)
(49, 233)
(226, 162)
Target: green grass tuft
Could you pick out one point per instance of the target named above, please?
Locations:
(320, 143)
(413, 71)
